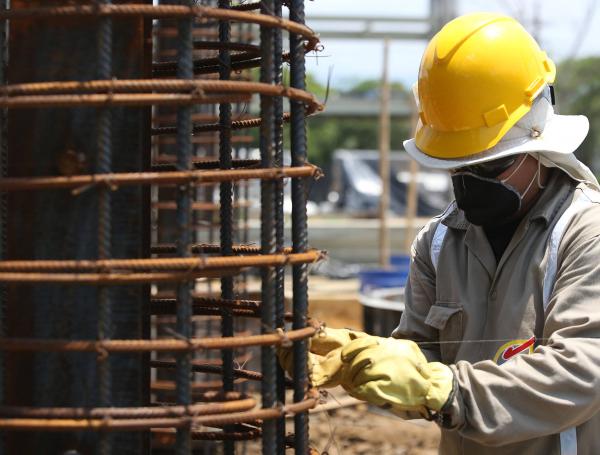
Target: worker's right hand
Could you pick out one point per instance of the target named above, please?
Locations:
(324, 357)
(395, 374)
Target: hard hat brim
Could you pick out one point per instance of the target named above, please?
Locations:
(562, 134)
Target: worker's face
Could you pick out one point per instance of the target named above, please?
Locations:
(498, 191)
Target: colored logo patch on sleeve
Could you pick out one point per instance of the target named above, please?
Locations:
(513, 348)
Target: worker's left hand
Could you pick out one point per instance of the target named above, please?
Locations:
(324, 356)
(395, 374)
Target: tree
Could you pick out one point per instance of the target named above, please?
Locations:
(578, 92)
(326, 134)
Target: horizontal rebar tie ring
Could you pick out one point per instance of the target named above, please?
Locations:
(171, 248)
(200, 206)
(132, 92)
(235, 125)
(241, 61)
(188, 263)
(167, 163)
(119, 271)
(164, 12)
(109, 424)
(241, 403)
(162, 345)
(239, 308)
(155, 178)
(216, 369)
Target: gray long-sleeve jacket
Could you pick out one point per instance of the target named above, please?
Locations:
(527, 365)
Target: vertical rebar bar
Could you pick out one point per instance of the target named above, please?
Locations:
(299, 226)
(226, 209)
(279, 220)
(3, 196)
(267, 234)
(185, 70)
(104, 150)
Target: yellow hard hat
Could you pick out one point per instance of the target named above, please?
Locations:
(479, 75)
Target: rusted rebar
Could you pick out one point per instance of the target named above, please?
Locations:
(131, 92)
(189, 263)
(242, 403)
(213, 248)
(216, 369)
(235, 125)
(163, 12)
(83, 182)
(185, 407)
(141, 424)
(165, 345)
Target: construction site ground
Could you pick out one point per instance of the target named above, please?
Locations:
(342, 425)
(358, 429)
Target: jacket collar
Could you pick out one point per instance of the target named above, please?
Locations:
(559, 187)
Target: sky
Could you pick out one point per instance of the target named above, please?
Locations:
(566, 28)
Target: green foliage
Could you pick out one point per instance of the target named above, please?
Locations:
(371, 88)
(325, 135)
(578, 92)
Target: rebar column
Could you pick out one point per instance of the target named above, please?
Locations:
(279, 220)
(185, 70)
(299, 226)
(268, 233)
(104, 165)
(226, 210)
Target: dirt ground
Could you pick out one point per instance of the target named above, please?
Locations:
(359, 429)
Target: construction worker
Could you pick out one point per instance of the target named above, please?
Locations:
(499, 342)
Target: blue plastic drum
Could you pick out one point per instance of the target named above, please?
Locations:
(394, 277)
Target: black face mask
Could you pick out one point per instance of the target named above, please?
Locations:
(485, 201)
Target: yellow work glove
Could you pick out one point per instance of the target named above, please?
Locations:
(328, 339)
(324, 356)
(395, 374)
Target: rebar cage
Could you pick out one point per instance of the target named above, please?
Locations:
(126, 322)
